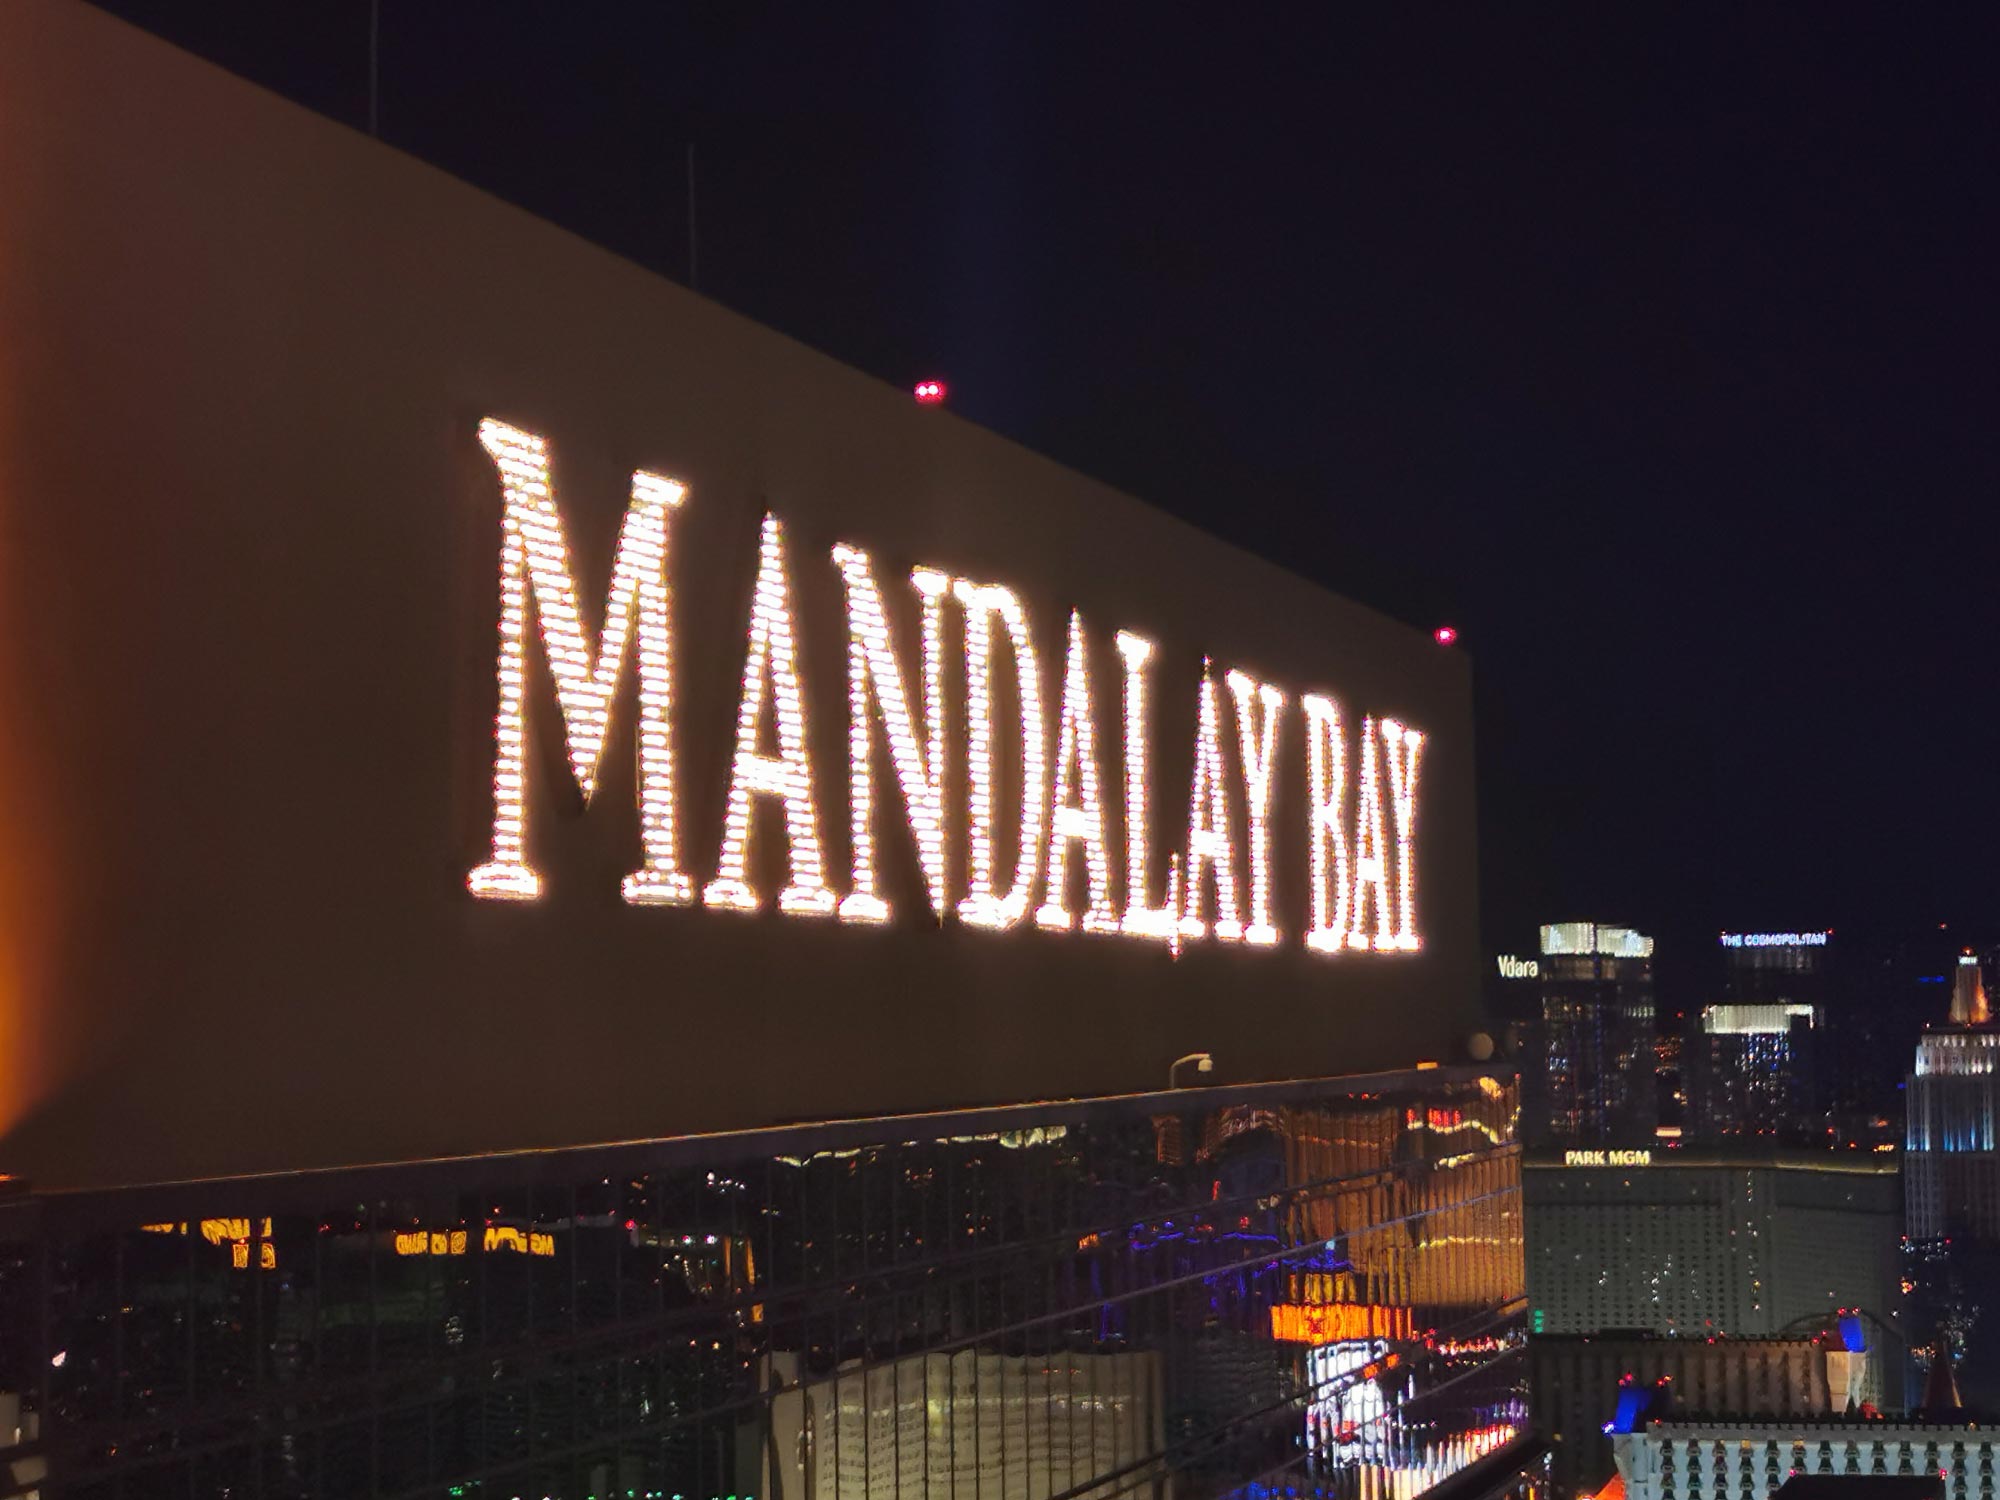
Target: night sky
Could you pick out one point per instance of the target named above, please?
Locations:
(1654, 352)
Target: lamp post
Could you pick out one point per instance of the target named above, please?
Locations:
(1203, 1063)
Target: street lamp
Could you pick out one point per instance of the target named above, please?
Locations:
(1203, 1063)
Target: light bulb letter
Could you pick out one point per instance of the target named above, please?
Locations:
(1077, 812)
(770, 671)
(1141, 919)
(1404, 745)
(1371, 854)
(534, 564)
(985, 905)
(1209, 844)
(1258, 706)
(1326, 771)
(916, 750)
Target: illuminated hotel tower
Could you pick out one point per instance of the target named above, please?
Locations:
(1952, 1166)
(1589, 1082)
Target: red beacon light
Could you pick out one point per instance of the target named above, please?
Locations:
(1445, 635)
(930, 392)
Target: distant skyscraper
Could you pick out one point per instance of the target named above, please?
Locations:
(1776, 968)
(1953, 1160)
(1968, 995)
(1751, 1073)
(1753, 1065)
(1588, 1064)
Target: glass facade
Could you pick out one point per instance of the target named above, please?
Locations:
(1593, 1075)
(1304, 1288)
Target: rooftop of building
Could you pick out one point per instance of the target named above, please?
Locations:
(1652, 1336)
(1862, 1487)
(1766, 1154)
(1729, 1426)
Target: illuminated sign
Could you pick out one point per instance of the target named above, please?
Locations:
(431, 1242)
(1607, 1158)
(1775, 939)
(1215, 884)
(1340, 1322)
(1518, 968)
(506, 1237)
(235, 1233)
(457, 1241)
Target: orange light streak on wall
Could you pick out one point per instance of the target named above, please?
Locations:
(1339, 1322)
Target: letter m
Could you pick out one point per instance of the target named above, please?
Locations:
(535, 566)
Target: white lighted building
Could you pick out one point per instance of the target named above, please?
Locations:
(1582, 1383)
(1589, 1057)
(1952, 1150)
(1709, 1244)
(1696, 1458)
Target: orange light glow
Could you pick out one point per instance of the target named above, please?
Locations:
(1339, 1322)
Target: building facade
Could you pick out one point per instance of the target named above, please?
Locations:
(1952, 1150)
(1757, 1064)
(1588, 1063)
(1577, 1382)
(1697, 1244)
(1750, 1457)
(1751, 1072)
(1951, 1161)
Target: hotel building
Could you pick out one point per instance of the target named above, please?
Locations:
(1754, 1066)
(1589, 1063)
(1751, 1457)
(1583, 1385)
(1695, 1244)
(598, 905)
(1952, 1151)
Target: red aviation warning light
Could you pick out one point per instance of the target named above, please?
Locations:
(1444, 635)
(930, 392)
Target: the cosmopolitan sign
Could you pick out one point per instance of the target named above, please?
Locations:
(1362, 779)
(1774, 939)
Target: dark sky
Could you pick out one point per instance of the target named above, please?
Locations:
(1656, 351)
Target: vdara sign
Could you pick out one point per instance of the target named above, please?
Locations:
(1362, 780)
